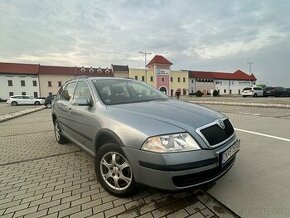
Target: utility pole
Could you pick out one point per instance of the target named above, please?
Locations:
(145, 56)
(250, 68)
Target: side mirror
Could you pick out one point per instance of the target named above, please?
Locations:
(82, 101)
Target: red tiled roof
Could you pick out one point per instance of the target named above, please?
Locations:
(237, 75)
(59, 70)
(15, 68)
(158, 59)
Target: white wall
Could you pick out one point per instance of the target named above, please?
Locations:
(191, 85)
(16, 87)
(235, 85)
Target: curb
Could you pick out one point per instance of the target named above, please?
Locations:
(10, 116)
(284, 106)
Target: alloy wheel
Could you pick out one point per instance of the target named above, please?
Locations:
(116, 171)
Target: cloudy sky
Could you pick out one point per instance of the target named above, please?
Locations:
(193, 34)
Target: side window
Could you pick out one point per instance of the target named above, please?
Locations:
(68, 92)
(82, 91)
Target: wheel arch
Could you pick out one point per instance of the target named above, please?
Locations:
(106, 136)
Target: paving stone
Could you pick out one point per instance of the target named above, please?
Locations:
(196, 215)
(91, 204)
(102, 207)
(25, 211)
(207, 213)
(16, 208)
(84, 213)
(198, 206)
(69, 211)
(115, 211)
(178, 214)
(37, 214)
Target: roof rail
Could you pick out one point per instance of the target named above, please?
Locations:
(80, 77)
(77, 77)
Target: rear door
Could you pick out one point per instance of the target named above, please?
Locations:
(63, 107)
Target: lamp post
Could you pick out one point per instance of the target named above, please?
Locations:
(250, 68)
(145, 56)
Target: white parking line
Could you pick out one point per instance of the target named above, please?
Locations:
(262, 134)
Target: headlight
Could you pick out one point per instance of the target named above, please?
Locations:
(170, 143)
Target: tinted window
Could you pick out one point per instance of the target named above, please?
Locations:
(117, 91)
(247, 89)
(257, 88)
(68, 91)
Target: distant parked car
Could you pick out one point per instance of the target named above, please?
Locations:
(24, 99)
(288, 91)
(252, 91)
(48, 101)
(276, 91)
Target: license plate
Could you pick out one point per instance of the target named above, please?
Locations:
(226, 155)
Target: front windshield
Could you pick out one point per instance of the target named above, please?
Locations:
(118, 91)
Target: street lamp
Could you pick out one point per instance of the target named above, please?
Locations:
(250, 68)
(145, 55)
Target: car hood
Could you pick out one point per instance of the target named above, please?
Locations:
(181, 114)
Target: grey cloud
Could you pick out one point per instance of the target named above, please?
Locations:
(211, 35)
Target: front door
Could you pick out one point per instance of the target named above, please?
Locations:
(83, 117)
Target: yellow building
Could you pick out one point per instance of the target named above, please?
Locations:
(178, 81)
(139, 74)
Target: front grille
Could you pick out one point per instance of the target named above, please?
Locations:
(197, 178)
(215, 134)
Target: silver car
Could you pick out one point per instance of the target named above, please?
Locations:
(138, 135)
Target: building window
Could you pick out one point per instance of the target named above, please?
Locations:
(10, 94)
(49, 83)
(143, 78)
(22, 82)
(59, 84)
(225, 91)
(23, 93)
(35, 94)
(178, 79)
(184, 79)
(184, 91)
(151, 78)
(10, 83)
(171, 79)
(50, 93)
(192, 81)
(162, 79)
(34, 82)
(136, 77)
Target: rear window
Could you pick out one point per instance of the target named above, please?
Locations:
(245, 89)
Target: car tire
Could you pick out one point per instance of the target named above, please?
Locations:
(37, 103)
(48, 105)
(255, 95)
(244, 96)
(58, 133)
(114, 171)
(14, 103)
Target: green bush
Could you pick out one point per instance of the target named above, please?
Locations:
(216, 93)
(198, 93)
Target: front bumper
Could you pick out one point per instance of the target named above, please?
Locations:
(176, 171)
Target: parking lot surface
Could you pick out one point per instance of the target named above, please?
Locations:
(258, 183)
(40, 178)
(7, 108)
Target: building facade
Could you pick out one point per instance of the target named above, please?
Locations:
(18, 79)
(225, 83)
(40, 81)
